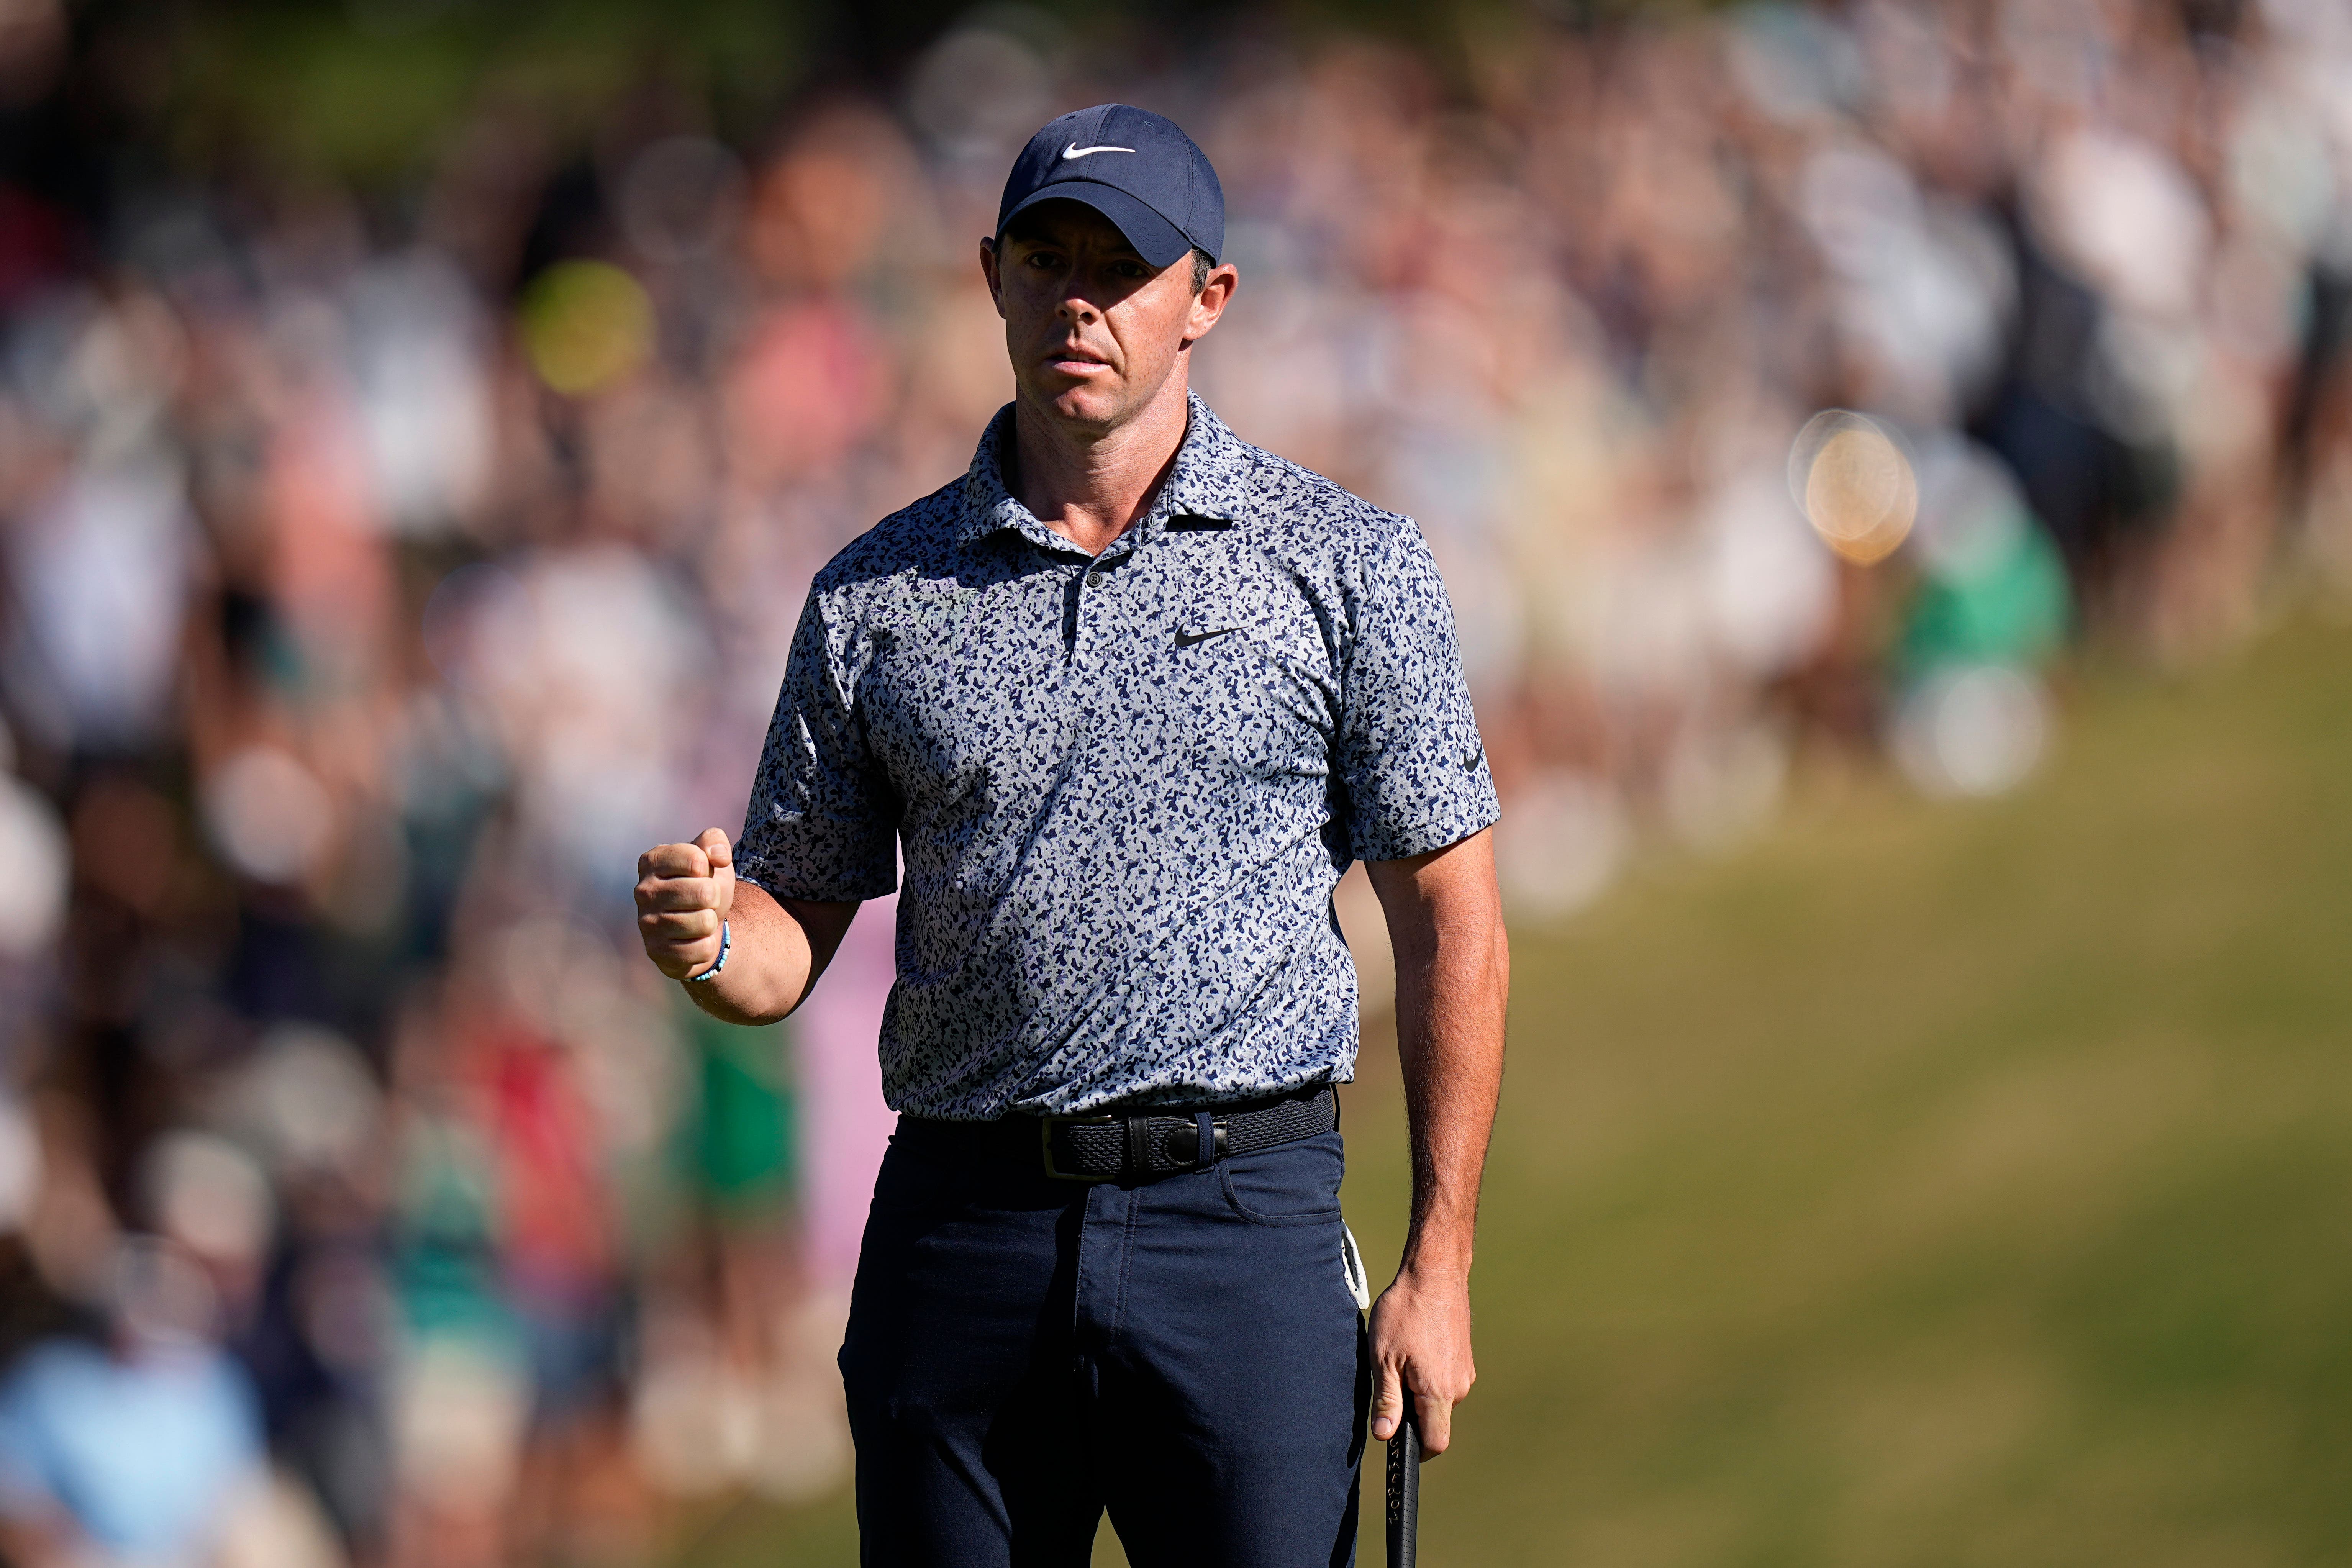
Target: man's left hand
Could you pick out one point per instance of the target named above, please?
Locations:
(1421, 1340)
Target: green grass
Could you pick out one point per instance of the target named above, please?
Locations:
(1926, 1184)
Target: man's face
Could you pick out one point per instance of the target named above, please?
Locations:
(1094, 329)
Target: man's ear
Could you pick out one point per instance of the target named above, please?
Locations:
(1209, 304)
(988, 264)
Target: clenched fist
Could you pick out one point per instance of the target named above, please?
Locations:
(684, 891)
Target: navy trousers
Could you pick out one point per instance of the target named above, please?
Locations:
(1023, 1354)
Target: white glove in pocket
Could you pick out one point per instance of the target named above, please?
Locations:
(1351, 1264)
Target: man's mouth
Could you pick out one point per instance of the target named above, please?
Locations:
(1071, 360)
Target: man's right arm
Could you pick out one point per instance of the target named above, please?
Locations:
(776, 948)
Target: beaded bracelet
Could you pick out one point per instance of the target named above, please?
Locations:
(726, 940)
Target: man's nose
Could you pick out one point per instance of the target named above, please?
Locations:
(1078, 312)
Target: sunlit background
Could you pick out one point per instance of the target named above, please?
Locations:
(1887, 459)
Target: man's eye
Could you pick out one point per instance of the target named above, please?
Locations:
(1037, 259)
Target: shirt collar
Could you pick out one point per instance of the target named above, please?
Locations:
(1209, 480)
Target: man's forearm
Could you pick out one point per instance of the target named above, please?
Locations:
(775, 951)
(1452, 967)
(1449, 1007)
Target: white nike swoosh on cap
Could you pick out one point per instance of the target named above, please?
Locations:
(1074, 151)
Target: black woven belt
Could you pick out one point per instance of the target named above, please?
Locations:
(1135, 1148)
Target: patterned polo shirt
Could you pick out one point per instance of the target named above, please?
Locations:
(1122, 786)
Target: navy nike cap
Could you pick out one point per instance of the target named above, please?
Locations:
(1137, 169)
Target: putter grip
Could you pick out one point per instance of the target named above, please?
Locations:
(1404, 1488)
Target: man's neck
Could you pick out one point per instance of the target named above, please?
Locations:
(1090, 486)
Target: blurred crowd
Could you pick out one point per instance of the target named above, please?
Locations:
(383, 571)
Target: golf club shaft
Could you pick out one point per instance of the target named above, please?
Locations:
(1404, 1488)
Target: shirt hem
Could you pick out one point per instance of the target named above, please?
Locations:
(779, 888)
(1402, 846)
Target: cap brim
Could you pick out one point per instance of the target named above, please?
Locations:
(1155, 239)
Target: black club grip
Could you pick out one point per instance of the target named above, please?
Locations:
(1404, 1488)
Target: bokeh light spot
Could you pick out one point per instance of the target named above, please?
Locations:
(1972, 730)
(585, 324)
(270, 816)
(1856, 485)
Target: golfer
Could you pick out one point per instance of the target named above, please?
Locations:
(1114, 710)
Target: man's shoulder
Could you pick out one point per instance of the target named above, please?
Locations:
(918, 538)
(1293, 507)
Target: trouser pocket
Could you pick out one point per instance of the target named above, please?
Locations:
(1291, 1184)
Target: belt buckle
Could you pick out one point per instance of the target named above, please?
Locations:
(1045, 1140)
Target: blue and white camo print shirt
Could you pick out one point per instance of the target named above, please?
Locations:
(1123, 785)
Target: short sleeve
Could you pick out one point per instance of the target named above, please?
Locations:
(1410, 757)
(822, 822)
